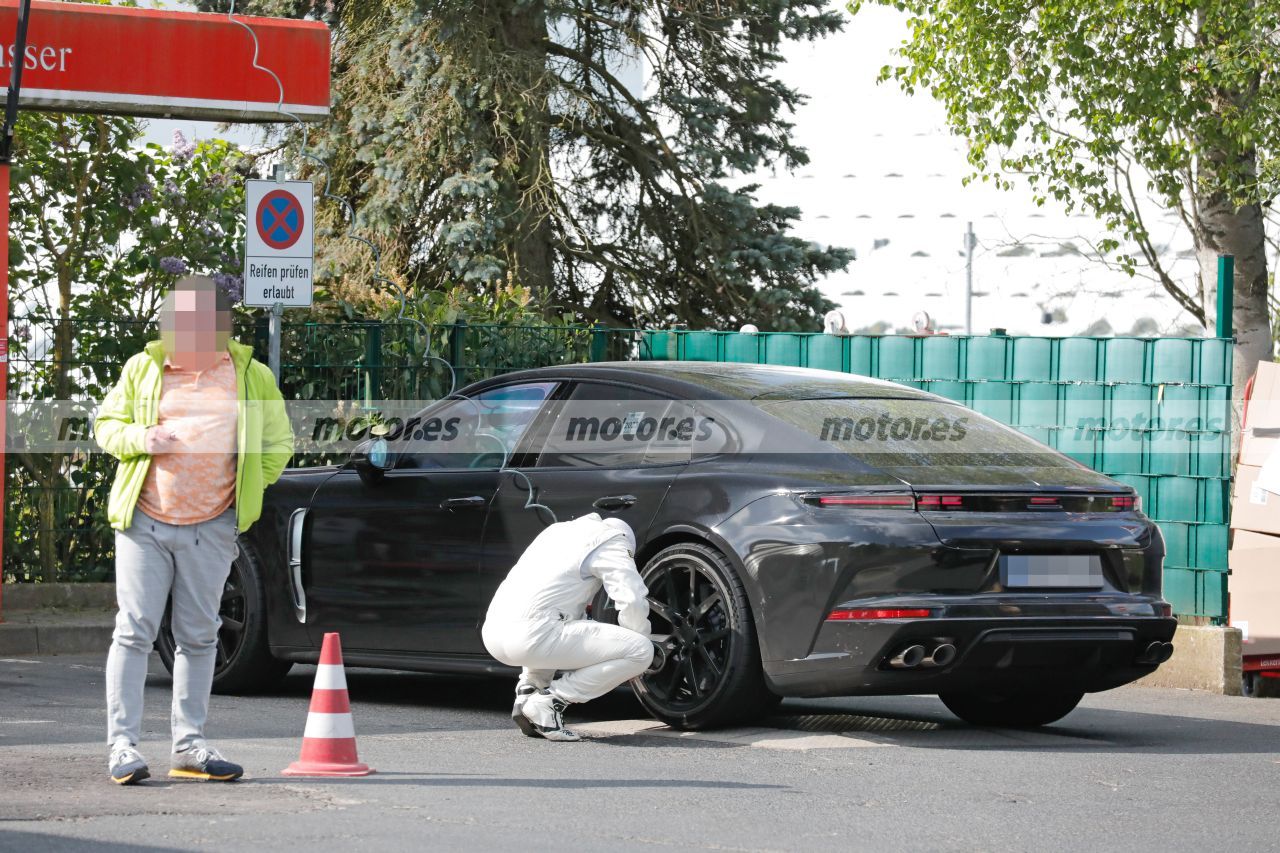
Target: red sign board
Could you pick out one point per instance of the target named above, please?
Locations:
(114, 59)
(280, 219)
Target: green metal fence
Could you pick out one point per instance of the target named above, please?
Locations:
(389, 361)
(1172, 396)
(1150, 412)
(55, 527)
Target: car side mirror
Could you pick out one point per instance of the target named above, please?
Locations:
(371, 459)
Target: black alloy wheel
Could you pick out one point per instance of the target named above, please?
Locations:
(699, 612)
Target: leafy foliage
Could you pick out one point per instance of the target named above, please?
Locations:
(1101, 103)
(582, 147)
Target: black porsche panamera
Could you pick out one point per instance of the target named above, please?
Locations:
(801, 532)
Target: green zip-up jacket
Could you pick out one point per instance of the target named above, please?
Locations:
(264, 438)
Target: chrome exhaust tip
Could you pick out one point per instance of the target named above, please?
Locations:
(944, 654)
(909, 658)
(1156, 652)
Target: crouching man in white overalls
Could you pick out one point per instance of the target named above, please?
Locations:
(537, 621)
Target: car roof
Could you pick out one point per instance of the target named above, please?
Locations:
(724, 380)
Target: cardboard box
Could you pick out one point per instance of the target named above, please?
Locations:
(1255, 591)
(1262, 422)
(1253, 507)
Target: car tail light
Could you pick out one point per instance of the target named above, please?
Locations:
(941, 501)
(878, 613)
(984, 502)
(1165, 609)
(869, 501)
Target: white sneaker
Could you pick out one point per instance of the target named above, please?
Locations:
(544, 711)
(523, 692)
(127, 765)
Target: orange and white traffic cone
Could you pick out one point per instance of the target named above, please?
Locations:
(329, 742)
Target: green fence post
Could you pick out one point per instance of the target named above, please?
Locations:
(1226, 294)
(599, 342)
(260, 337)
(373, 362)
(458, 350)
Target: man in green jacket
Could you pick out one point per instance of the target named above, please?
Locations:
(200, 430)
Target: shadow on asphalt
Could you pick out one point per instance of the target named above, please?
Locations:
(44, 842)
(483, 703)
(922, 724)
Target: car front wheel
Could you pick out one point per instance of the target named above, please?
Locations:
(1013, 709)
(698, 607)
(243, 662)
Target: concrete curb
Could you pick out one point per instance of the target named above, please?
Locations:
(88, 634)
(57, 618)
(74, 596)
(1204, 658)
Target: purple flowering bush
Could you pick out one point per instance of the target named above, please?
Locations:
(181, 148)
(191, 212)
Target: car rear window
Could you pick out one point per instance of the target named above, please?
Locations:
(918, 440)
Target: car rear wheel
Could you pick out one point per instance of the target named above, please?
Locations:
(1016, 709)
(243, 659)
(712, 676)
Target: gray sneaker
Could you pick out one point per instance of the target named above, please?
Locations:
(203, 762)
(127, 765)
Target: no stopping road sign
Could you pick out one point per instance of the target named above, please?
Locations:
(279, 246)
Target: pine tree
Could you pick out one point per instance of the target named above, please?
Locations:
(589, 150)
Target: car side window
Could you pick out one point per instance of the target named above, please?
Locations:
(614, 426)
(481, 431)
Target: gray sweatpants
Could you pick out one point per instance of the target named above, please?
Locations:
(153, 559)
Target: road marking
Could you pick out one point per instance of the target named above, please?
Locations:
(760, 738)
(17, 660)
(27, 722)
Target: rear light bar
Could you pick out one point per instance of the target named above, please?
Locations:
(878, 613)
(869, 501)
(984, 502)
(940, 501)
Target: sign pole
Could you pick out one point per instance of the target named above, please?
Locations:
(4, 352)
(273, 347)
(6, 154)
(969, 242)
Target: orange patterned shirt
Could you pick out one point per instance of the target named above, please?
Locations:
(196, 480)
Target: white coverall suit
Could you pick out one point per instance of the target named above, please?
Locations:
(537, 617)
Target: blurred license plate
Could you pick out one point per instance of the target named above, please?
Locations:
(1058, 572)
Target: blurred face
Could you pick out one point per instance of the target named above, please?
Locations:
(191, 323)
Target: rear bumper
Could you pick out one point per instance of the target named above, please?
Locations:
(1087, 654)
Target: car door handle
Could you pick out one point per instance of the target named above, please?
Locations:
(473, 502)
(614, 501)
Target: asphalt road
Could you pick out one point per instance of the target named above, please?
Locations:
(1134, 769)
